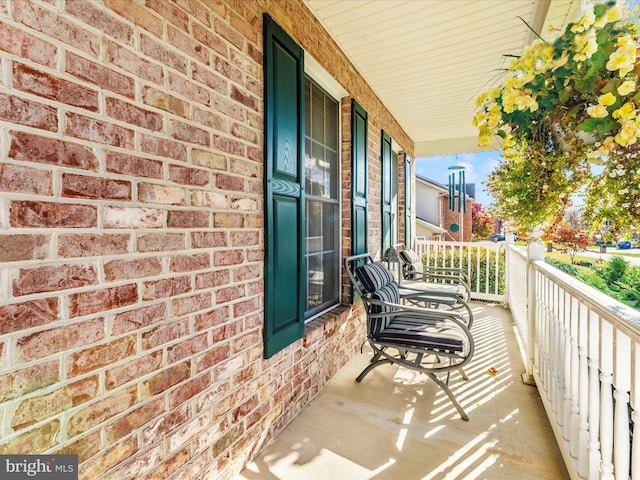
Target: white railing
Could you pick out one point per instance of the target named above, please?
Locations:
(585, 359)
(484, 263)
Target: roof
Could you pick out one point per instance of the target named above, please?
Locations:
(427, 60)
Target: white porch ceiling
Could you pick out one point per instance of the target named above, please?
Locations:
(428, 60)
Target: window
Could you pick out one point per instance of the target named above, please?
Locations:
(322, 194)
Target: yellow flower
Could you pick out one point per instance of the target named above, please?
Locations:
(624, 58)
(484, 139)
(626, 112)
(607, 99)
(560, 62)
(627, 134)
(608, 146)
(586, 45)
(627, 87)
(597, 111)
(613, 14)
(584, 23)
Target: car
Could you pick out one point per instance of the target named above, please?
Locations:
(624, 245)
(497, 237)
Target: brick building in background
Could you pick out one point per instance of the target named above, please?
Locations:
(133, 216)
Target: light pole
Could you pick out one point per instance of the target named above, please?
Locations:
(461, 204)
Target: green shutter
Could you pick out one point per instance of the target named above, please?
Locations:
(386, 194)
(284, 192)
(408, 203)
(359, 155)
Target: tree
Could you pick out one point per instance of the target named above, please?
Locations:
(571, 240)
(481, 221)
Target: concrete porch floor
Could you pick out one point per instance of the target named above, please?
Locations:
(398, 425)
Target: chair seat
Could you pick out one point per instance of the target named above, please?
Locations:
(418, 332)
(435, 288)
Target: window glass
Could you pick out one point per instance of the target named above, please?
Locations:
(322, 199)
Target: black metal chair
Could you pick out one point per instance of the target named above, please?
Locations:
(435, 342)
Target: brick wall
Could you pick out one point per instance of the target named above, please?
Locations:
(131, 235)
(451, 217)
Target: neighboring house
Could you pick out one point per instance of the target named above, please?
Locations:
(434, 219)
(179, 184)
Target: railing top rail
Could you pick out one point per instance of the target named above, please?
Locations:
(618, 314)
(498, 245)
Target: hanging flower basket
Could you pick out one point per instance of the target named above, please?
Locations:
(573, 99)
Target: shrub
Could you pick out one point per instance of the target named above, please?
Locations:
(562, 266)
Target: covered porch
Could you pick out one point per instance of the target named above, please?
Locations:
(398, 424)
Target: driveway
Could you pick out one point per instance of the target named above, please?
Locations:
(612, 252)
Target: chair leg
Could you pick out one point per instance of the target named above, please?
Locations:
(371, 366)
(446, 390)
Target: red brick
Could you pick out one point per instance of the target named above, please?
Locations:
(245, 204)
(56, 26)
(224, 30)
(98, 131)
(228, 108)
(133, 370)
(129, 113)
(42, 344)
(136, 268)
(34, 441)
(213, 357)
(134, 420)
(19, 179)
(133, 166)
(86, 447)
(228, 71)
(99, 75)
(160, 242)
(244, 133)
(229, 182)
(188, 175)
(158, 51)
(210, 39)
(189, 263)
(24, 45)
(82, 186)
(131, 62)
(99, 19)
(210, 119)
(172, 14)
(170, 465)
(14, 248)
(168, 287)
(208, 239)
(100, 356)
(183, 86)
(255, 288)
(229, 145)
(229, 294)
(138, 318)
(188, 390)
(22, 316)
(228, 220)
(164, 101)
(27, 380)
(163, 148)
(248, 25)
(248, 306)
(212, 318)
(244, 168)
(189, 133)
(227, 257)
(161, 194)
(33, 148)
(39, 83)
(188, 219)
(244, 239)
(101, 411)
(167, 379)
(187, 44)
(136, 14)
(212, 279)
(186, 348)
(122, 217)
(183, 306)
(85, 303)
(26, 112)
(164, 334)
(247, 272)
(210, 79)
(90, 244)
(206, 198)
(108, 458)
(53, 278)
(52, 215)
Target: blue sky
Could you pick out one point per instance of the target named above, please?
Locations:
(478, 166)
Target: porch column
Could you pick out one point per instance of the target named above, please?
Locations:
(535, 251)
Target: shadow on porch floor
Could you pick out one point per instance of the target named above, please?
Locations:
(398, 425)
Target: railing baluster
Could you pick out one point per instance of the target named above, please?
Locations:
(575, 372)
(583, 390)
(622, 382)
(594, 397)
(606, 402)
(566, 380)
(635, 416)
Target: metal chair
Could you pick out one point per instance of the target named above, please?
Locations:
(432, 341)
